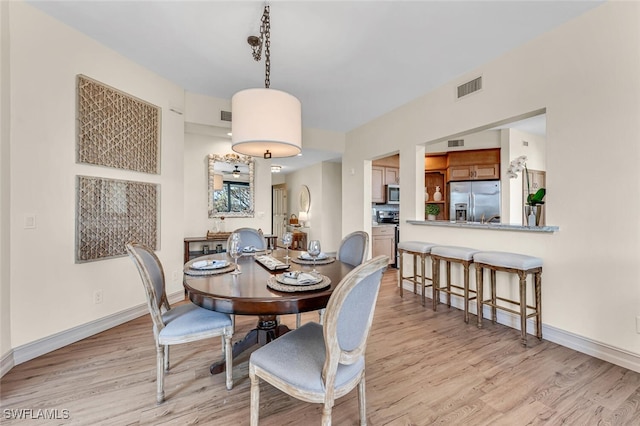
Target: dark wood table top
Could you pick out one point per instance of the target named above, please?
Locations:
(248, 294)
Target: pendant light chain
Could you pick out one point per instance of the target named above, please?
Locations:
(266, 23)
(264, 41)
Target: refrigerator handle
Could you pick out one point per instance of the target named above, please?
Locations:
(472, 207)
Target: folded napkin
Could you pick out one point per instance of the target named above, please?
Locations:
(306, 256)
(305, 278)
(209, 264)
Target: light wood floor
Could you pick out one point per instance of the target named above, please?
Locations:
(423, 368)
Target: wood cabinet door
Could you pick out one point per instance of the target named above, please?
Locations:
(487, 171)
(377, 184)
(391, 176)
(383, 245)
(460, 173)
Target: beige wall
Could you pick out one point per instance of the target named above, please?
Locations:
(197, 147)
(324, 182)
(5, 182)
(586, 74)
(49, 292)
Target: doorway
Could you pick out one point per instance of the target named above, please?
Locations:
(279, 212)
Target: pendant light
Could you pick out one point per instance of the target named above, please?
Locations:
(266, 122)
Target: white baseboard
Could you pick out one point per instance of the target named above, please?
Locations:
(48, 344)
(582, 344)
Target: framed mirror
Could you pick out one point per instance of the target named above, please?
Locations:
(304, 199)
(231, 187)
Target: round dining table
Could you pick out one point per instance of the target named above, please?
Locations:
(247, 293)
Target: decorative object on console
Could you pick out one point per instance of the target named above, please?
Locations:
(266, 122)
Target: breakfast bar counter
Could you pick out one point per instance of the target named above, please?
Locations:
(491, 226)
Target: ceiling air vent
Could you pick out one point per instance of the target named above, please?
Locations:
(456, 142)
(225, 115)
(525, 143)
(469, 87)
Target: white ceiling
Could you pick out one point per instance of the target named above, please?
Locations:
(347, 61)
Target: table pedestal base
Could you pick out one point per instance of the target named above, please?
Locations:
(267, 330)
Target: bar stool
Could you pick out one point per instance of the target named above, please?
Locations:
(451, 254)
(519, 264)
(416, 249)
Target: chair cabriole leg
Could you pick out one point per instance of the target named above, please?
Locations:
(228, 357)
(255, 397)
(362, 401)
(160, 359)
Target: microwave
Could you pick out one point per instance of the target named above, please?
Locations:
(393, 194)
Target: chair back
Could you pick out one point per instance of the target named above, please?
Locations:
(349, 315)
(250, 237)
(354, 248)
(152, 275)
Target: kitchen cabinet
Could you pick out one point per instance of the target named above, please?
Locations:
(383, 242)
(474, 172)
(377, 184)
(478, 164)
(391, 176)
(380, 177)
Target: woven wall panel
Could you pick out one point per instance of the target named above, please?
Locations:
(116, 129)
(110, 213)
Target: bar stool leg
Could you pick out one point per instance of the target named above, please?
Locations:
(479, 295)
(523, 307)
(448, 264)
(538, 296)
(415, 274)
(401, 272)
(435, 281)
(424, 287)
(466, 293)
(494, 316)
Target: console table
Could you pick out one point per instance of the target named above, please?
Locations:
(220, 236)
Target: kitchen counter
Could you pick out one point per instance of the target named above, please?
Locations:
(491, 226)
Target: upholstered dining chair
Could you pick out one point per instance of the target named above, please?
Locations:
(320, 363)
(182, 323)
(353, 250)
(250, 237)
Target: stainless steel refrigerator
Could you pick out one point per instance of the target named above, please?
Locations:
(469, 201)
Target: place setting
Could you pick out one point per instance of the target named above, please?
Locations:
(294, 281)
(313, 256)
(208, 266)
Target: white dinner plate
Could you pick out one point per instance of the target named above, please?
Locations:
(202, 265)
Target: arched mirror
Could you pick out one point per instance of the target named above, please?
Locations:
(230, 186)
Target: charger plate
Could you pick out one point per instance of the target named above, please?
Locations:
(200, 272)
(272, 283)
(310, 262)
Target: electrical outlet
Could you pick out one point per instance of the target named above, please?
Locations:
(97, 297)
(638, 324)
(176, 276)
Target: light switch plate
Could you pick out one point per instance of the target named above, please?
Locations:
(30, 222)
